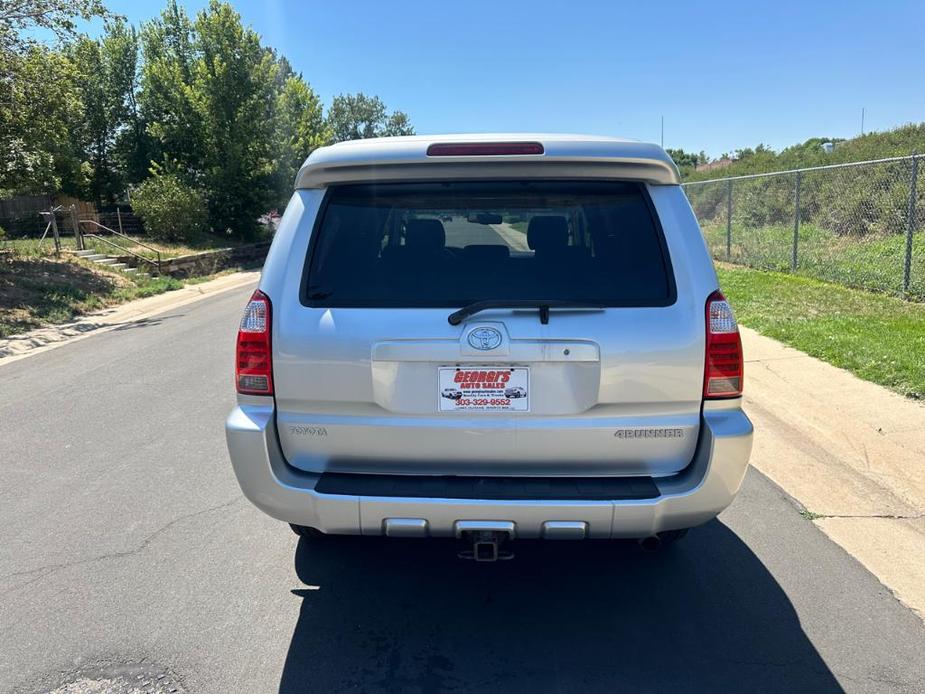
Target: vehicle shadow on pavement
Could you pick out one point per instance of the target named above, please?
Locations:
(405, 615)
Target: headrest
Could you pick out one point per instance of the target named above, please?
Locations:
(547, 232)
(425, 234)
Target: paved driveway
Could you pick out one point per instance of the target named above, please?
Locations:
(125, 542)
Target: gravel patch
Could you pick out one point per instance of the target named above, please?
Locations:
(110, 678)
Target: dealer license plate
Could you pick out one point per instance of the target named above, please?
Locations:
(483, 388)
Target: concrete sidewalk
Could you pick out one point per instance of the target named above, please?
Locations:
(850, 452)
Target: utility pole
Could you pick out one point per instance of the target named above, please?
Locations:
(862, 121)
(663, 132)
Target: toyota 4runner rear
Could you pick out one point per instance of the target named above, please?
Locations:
(489, 338)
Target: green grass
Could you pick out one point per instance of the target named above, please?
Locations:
(809, 515)
(875, 262)
(877, 337)
(31, 248)
(39, 291)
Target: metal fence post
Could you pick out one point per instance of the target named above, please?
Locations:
(910, 223)
(728, 219)
(796, 221)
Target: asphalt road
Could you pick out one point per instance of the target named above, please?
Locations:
(126, 546)
(461, 233)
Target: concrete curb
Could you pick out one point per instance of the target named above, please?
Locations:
(40, 340)
(852, 453)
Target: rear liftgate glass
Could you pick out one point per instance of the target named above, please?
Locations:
(453, 244)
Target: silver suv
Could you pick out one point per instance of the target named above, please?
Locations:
(489, 338)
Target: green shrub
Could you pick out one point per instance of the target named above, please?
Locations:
(170, 209)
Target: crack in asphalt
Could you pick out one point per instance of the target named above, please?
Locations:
(45, 571)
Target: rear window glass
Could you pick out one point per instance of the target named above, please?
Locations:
(451, 244)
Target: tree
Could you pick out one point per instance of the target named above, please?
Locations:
(232, 95)
(684, 160)
(202, 97)
(208, 100)
(234, 117)
(38, 110)
(121, 52)
(18, 17)
(109, 133)
(38, 107)
(398, 124)
(300, 128)
(357, 116)
(171, 124)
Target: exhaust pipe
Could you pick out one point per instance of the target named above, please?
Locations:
(652, 543)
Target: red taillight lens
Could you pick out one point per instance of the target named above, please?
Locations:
(254, 361)
(724, 368)
(472, 149)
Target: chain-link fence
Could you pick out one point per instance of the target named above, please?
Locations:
(860, 224)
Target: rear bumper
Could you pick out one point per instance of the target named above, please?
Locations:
(693, 496)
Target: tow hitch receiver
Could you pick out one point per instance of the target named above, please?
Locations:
(484, 541)
(486, 546)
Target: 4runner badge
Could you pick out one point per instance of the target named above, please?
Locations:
(484, 338)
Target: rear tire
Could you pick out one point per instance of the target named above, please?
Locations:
(307, 532)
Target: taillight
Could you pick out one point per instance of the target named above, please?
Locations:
(482, 149)
(253, 360)
(724, 367)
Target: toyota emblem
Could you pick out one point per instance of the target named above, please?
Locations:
(484, 338)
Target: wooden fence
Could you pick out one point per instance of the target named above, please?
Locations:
(20, 216)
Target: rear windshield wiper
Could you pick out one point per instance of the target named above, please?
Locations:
(459, 316)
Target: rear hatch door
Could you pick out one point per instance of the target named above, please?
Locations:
(371, 376)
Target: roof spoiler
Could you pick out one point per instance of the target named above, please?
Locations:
(403, 159)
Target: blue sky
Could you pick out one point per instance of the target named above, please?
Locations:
(724, 75)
